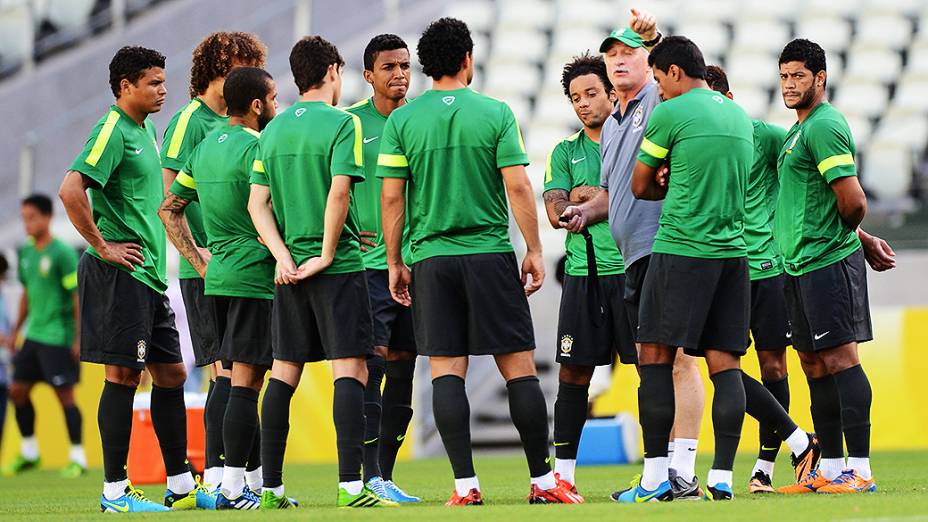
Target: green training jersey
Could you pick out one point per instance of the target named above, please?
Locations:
(572, 163)
(49, 278)
(126, 190)
(367, 194)
(184, 132)
(708, 140)
(809, 229)
(450, 146)
(301, 150)
(764, 257)
(217, 175)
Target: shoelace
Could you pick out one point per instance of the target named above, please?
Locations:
(845, 477)
(199, 486)
(136, 493)
(636, 480)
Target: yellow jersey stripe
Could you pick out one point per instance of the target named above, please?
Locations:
(102, 139)
(392, 160)
(358, 140)
(69, 282)
(521, 141)
(186, 180)
(360, 103)
(835, 161)
(574, 136)
(548, 176)
(653, 149)
(251, 131)
(258, 166)
(177, 139)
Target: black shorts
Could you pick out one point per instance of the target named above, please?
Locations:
(202, 318)
(696, 303)
(325, 317)
(392, 321)
(244, 327)
(769, 319)
(124, 322)
(39, 362)
(829, 306)
(583, 343)
(634, 281)
(470, 305)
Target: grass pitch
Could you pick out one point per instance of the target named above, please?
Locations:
(901, 479)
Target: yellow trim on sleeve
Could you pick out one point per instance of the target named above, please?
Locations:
(102, 139)
(69, 282)
(548, 176)
(177, 139)
(521, 141)
(653, 149)
(838, 160)
(258, 166)
(186, 180)
(358, 140)
(392, 160)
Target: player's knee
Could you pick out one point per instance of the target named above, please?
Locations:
(840, 358)
(19, 394)
(168, 375)
(812, 365)
(351, 367)
(516, 365)
(65, 396)
(576, 375)
(772, 365)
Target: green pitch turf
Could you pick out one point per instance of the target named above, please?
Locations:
(901, 478)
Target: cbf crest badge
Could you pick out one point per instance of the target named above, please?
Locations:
(142, 349)
(567, 344)
(637, 118)
(45, 264)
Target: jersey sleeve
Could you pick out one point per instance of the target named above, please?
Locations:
(258, 174)
(67, 266)
(180, 139)
(102, 153)
(348, 151)
(831, 147)
(392, 161)
(510, 148)
(557, 169)
(185, 184)
(657, 138)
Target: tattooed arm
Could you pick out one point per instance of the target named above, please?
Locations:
(584, 193)
(556, 200)
(178, 231)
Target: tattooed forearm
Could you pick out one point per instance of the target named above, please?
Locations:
(173, 203)
(557, 199)
(178, 231)
(584, 193)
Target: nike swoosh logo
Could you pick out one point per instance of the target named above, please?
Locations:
(789, 335)
(371, 441)
(645, 498)
(400, 438)
(138, 151)
(559, 444)
(575, 161)
(819, 336)
(368, 140)
(765, 448)
(122, 508)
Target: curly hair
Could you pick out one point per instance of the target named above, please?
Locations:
(310, 58)
(805, 51)
(215, 56)
(443, 46)
(379, 43)
(717, 79)
(130, 63)
(583, 65)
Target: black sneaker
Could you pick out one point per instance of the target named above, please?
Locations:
(808, 459)
(719, 492)
(760, 483)
(683, 490)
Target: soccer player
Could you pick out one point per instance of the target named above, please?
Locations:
(387, 69)
(634, 223)
(213, 59)
(593, 324)
(50, 350)
(818, 215)
(126, 321)
(240, 274)
(309, 157)
(461, 153)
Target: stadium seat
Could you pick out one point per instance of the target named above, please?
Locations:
(888, 170)
(755, 102)
(767, 36)
(779, 114)
(353, 86)
(718, 11)
(15, 34)
(752, 69)
(524, 14)
(521, 107)
(834, 65)
(917, 63)
(519, 46)
(895, 7)
(843, 9)
(861, 129)
(883, 31)
(765, 9)
(70, 15)
(872, 64)
(833, 34)
(912, 95)
(864, 99)
(502, 79)
(904, 128)
(711, 37)
(478, 15)
(600, 14)
(554, 110)
(569, 43)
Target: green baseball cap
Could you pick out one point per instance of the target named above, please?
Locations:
(626, 36)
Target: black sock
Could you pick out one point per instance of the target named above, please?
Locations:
(372, 414)
(768, 438)
(728, 405)
(275, 425)
(826, 416)
(254, 458)
(114, 418)
(169, 418)
(452, 418)
(216, 402)
(763, 406)
(856, 396)
(530, 415)
(569, 416)
(656, 407)
(25, 418)
(74, 422)
(239, 425)
(397, 408)
(347, 410)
